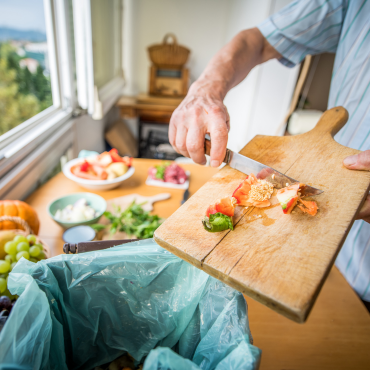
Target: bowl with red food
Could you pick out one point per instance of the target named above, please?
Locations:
(100, 172)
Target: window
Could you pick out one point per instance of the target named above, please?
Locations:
(61, 54)
(98, 46)
(25, 87)
(106, 25)
(36, 89)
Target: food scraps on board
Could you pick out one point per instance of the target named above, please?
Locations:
(254, 192)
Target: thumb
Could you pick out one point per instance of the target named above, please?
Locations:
(359, 161)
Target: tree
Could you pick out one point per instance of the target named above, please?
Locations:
(15, 108)
(42, 88)
(22, 94)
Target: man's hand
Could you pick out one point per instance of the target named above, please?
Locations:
(203, 111)
(361, 162)
(200, 113)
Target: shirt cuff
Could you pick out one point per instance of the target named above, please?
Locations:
(292, 52)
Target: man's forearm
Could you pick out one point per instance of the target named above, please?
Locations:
(233, 62)
(202, 110)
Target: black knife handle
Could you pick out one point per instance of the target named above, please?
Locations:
(207, 150)
(94, 246)
(185, 197)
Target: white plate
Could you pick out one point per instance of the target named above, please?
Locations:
(163, 184)
(95, 184)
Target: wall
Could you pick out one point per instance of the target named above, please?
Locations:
(259, 103)
(89, 133)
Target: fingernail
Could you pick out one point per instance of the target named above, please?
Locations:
(215, 163)
(350, 161)
(204, 162)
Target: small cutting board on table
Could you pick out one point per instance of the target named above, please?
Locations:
(279, 260)
(124, 202)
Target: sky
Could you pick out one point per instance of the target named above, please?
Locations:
(22, 14)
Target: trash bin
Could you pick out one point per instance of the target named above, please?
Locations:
(81, 311)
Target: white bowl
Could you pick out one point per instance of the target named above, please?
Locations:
(95, 184)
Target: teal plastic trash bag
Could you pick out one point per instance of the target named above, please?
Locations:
(85, 310)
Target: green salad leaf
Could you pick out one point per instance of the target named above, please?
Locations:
(217, 222)
(161, 169)
(133, 221)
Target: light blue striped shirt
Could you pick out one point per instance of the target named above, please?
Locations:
(342, 27)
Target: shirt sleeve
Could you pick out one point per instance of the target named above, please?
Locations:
(305, 27)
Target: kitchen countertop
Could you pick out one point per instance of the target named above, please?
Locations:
(337, 332)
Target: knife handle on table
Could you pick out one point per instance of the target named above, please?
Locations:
(207, 150)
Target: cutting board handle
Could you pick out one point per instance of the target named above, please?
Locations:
(330, 122)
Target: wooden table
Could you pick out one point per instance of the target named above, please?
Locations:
(148, 109)
(336, 334)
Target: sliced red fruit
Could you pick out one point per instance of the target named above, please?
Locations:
(288, 197)
(100, 172)
(84, 166)
(115, 156)
(127, 161)
(84, 175)
(309, 206)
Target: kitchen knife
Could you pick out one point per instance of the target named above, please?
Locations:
(185, 196)
(246, 165)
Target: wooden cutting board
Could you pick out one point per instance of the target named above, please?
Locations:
(279, 260)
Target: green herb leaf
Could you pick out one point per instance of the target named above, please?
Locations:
(98, 227)
(161, 169)
(133, 221)
(217, 222)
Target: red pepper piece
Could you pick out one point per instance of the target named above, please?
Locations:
(84, 167)
(225, 206)
(211, 210)
(241, 193)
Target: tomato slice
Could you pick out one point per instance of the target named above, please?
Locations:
(226, 206)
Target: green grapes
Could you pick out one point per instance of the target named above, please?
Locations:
(41, 256)
(31, 239)
(2, 285)
(23, 246)
(4, 266)
(12, 266)
(34, 251)
(34, 260)
(9, 258)
(10, 247)
(19, 239)
(24, 254)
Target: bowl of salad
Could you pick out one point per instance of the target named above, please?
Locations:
(99, 172)
(77, 209)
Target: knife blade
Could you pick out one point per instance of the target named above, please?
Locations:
(261, 171)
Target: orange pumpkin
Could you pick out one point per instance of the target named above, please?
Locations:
(20, 209)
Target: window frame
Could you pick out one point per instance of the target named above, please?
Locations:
(97, 102)
(26, 138)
